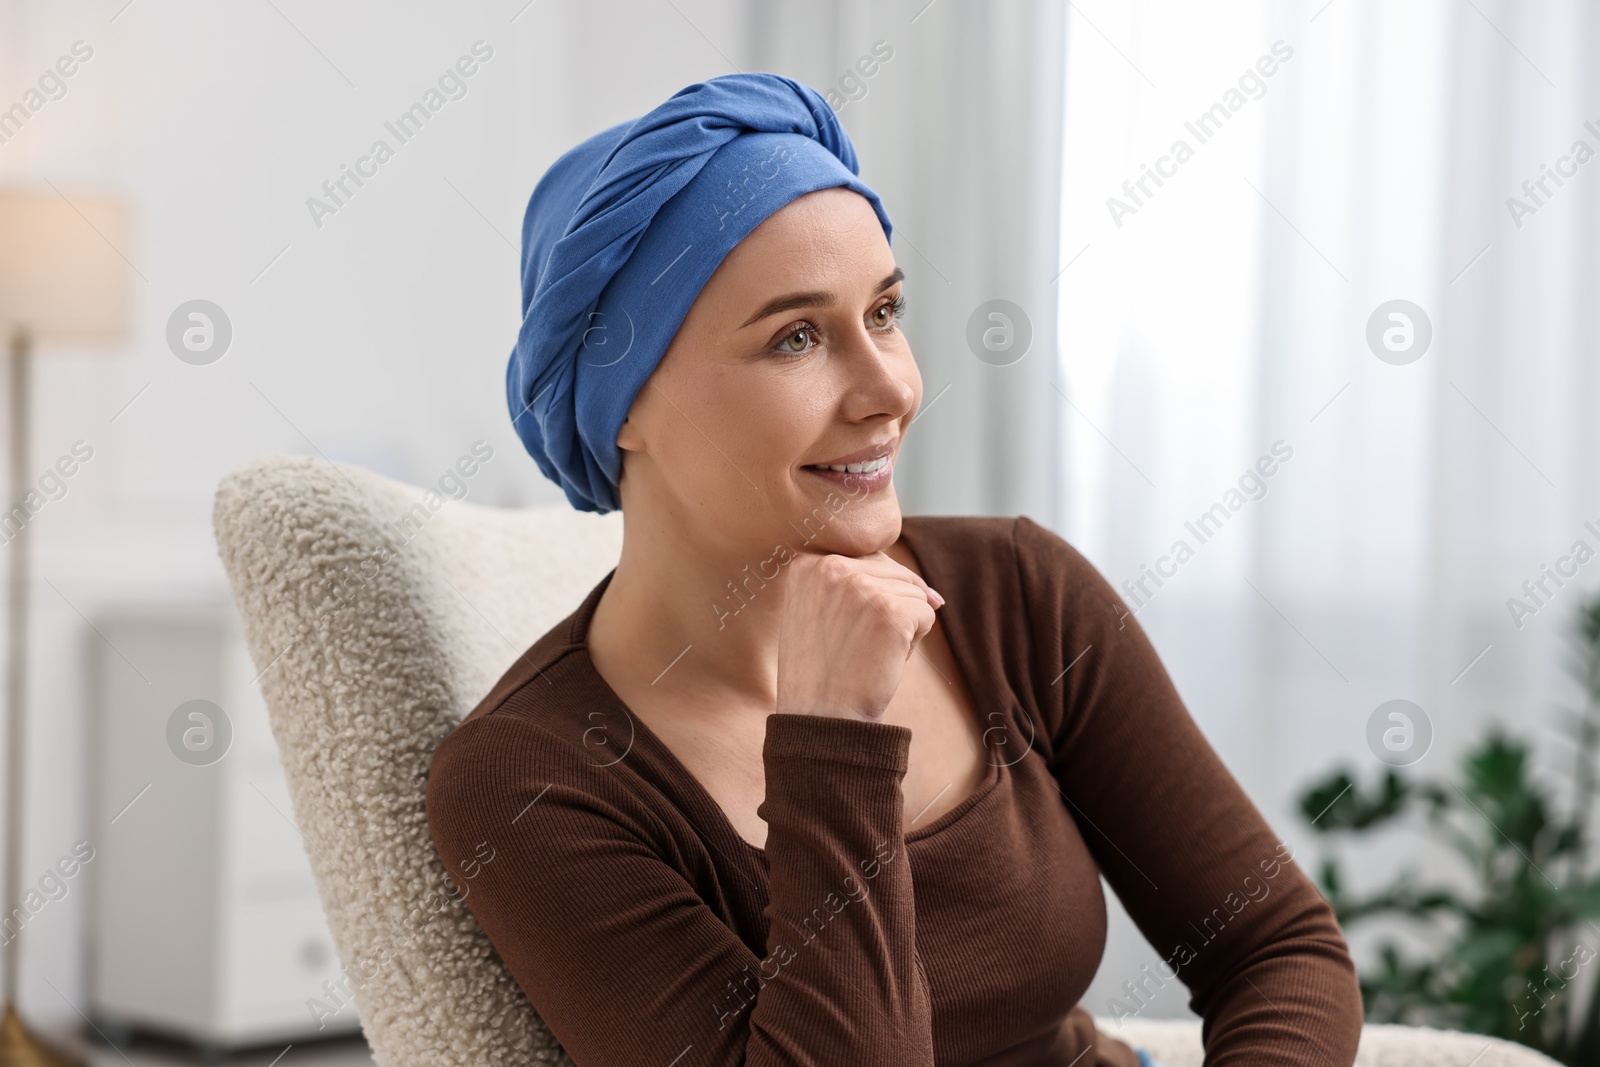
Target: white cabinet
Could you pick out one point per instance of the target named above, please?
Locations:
(206, 921)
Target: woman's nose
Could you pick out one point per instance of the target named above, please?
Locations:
(880, 379)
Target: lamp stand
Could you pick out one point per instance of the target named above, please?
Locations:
(18, 1046)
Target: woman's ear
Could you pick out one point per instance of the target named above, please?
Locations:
(629, 439)
(642, 413)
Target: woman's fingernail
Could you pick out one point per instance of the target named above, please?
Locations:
(936, 593)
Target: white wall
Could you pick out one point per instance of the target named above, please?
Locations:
(380, 338)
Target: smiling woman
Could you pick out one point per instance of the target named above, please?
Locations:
(893, 715)
(820, 377)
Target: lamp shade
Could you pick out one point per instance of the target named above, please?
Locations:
(62, 275)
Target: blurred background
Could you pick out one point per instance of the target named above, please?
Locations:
(1354, 237)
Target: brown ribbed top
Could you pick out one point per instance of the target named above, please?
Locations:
(645, 930)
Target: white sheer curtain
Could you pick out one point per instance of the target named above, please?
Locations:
(955, 110)
(1228, 311)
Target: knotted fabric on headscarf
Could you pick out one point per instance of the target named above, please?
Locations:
(621, 234)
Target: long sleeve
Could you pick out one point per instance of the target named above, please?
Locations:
(627, 964)
(1211, 886)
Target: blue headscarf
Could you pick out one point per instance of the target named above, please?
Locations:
(621, 234)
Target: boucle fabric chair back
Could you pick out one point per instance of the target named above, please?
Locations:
(379, 615)
(1176, 1043)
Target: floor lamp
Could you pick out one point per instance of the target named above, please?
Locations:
(62, 278)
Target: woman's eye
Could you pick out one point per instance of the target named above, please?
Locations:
(885, 315)
(787, 346)
(801, 339)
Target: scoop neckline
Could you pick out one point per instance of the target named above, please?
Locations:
(579, 635)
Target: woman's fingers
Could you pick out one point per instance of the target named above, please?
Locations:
(849, 625)
(902, 603)
(881, 564)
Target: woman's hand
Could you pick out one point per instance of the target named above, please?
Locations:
(849, 624)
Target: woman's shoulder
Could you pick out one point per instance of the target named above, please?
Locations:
(992, 531)
(1015, 544)
(958, 539)
(512, 734)
(1028, 603)
(545, 720)
(545, 755)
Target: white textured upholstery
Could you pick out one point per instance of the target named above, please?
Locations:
(375, 638)
(1176, 1043)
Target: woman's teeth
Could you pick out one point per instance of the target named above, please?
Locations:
(864, 467)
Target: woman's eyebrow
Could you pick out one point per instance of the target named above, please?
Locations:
(800, 300)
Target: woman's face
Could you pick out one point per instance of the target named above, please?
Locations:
(790, 357)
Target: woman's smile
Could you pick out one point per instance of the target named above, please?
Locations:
(866, 470)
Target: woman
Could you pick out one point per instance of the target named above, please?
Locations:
(803, 780)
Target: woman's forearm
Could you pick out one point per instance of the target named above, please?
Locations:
(841, 982)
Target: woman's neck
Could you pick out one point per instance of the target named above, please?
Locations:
(691, 618)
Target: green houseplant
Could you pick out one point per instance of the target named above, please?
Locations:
(1517, 941)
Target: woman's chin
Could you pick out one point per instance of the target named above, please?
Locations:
(859, 530)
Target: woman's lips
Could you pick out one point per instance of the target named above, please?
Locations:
(871, 452)
(881, 474)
